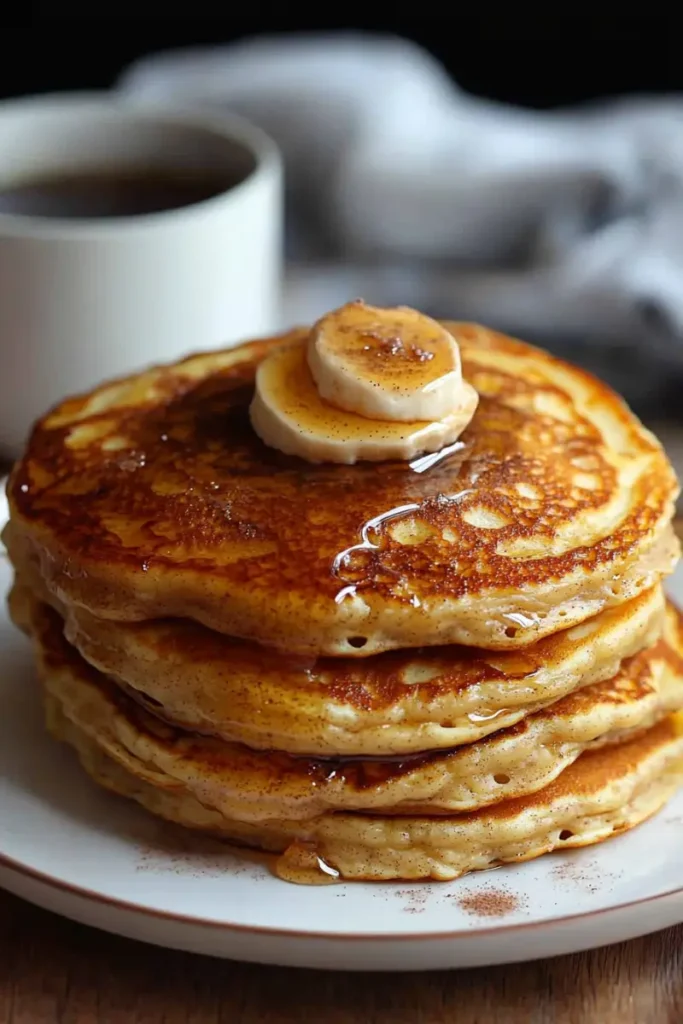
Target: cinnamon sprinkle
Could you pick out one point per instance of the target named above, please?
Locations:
(489, 903)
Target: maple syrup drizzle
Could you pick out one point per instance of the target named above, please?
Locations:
(425, 462)
(367, 544)
(302, 864)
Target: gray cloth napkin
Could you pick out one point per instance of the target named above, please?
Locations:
(404, 188)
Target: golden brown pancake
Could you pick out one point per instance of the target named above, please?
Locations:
(603, 793)
(152, 497)
(392, 704)
(259, 786)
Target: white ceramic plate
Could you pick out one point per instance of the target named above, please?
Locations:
(87, 855)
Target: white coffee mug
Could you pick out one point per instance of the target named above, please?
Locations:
(82, 300)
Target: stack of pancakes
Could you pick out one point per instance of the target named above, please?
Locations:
(393, 670)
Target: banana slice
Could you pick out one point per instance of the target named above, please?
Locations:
(386, 364)
(288, 413)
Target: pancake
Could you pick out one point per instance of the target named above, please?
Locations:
(604, 792)
(258, 786)
(392, 704)
(152, 497)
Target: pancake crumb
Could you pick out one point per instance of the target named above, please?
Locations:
(489, 902)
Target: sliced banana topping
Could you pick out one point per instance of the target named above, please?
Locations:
(370, 384)
(288, 413)
(386, 364)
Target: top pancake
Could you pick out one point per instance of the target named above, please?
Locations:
(152, 496)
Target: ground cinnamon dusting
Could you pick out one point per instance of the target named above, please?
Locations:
(582, 874)
(170, 850)
(415, 900)
(489, 903)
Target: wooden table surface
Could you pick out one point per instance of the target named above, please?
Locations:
(55, 972)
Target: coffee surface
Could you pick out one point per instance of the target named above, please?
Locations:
(98, 194)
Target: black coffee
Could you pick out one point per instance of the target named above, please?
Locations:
(111, 193)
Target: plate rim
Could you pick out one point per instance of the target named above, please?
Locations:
(10, 864)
